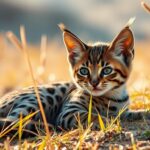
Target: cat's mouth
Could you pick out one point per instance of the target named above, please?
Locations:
(96, 89)
(93, 90)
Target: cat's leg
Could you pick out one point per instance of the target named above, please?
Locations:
(11, 121)
(70, 119)
(25, 103)
(74, 111)
(27, 109)
(31, 126)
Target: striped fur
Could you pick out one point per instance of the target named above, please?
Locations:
(100, 70)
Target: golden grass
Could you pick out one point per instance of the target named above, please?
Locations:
(145, 6)
(90, 111)
(10, 58)
(16, 124)
(101, 123)
(43, 59)
(23, 46)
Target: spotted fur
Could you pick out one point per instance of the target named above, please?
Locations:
(100, 70)
(24, 102)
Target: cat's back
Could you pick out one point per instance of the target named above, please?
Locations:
(51, 96)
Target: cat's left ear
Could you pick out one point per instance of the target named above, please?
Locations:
(76, 48)
(123, 44)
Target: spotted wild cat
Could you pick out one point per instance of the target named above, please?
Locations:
(101, 69)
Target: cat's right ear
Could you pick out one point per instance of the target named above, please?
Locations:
(76, 48)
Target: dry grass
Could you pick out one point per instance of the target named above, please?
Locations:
(50, 65)
(145, 6)
(23, 47)
(10, 58)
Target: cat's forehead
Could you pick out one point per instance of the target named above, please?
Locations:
(96, 52)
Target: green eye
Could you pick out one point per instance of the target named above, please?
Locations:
(84, 71)
(107, 70)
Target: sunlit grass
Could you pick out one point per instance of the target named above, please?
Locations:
(145, 6)
(20, 130)
(133, 142)
(90, 111)
(82, 137)
(23, 46)
(15, 124)
(101, 123)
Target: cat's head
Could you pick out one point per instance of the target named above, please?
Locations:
(101, 67)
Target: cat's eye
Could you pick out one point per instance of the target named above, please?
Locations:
(84, 71)
(107, 70)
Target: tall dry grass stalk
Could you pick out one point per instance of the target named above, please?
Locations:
(15, 124)
(23, 47)
(43, 57)
(145, 6)
(14, 40)
(90, 111)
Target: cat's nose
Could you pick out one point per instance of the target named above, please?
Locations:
(94, 83)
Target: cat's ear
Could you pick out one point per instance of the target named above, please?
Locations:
(123, 44)
(76, 48)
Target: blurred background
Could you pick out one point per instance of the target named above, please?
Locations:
(91, 20)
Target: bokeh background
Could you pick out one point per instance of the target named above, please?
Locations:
(91, 20)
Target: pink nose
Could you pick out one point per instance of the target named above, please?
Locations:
(94, 83)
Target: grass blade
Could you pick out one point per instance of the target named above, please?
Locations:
(14, 40)
(43, 57)
(90, 111)
(42, 145)
(82, 137)
(117, 117)
(7, 130)
(133, 141)
(20, 130)
(145, 6)
(24, 46)
(101, 123)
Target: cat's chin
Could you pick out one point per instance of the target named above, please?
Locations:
(94, 92)
(97, 93)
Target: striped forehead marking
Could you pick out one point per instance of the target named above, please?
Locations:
(95, 55)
